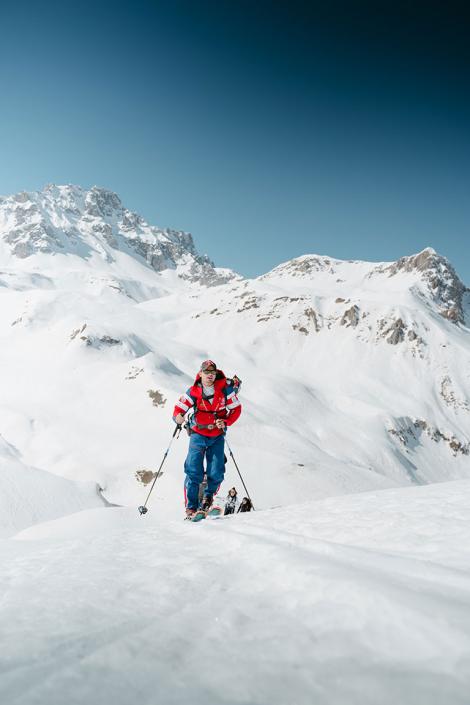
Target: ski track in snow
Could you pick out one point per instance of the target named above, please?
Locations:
(320, 603)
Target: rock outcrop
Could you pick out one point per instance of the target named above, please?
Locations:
(72, 220)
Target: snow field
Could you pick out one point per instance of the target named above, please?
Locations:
(358, 599)
(29, 495)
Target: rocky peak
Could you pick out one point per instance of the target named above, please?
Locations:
(424, 260)
(71, 220)
(100, 202)
(304, 266)
(439, 277)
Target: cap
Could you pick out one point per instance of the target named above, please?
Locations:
(208, 363)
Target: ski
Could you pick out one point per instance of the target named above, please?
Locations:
(199, 515)
(209, 514)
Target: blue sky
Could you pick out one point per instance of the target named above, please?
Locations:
(267, 131)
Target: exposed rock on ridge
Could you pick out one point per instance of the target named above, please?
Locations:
(442, 281)
(408, 432)
(69, 219)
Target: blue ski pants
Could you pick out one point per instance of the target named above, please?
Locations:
(200, 447)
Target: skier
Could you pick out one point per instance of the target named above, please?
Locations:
(215, 405)
(245, 505)
(231, 503)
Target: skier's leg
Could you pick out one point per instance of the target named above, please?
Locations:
(202, 489)
(215, 464)
(193, 467)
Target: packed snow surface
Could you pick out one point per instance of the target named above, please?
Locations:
(362, 599)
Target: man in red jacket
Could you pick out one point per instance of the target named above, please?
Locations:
(214, 403)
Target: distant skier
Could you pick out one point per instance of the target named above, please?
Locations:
(245, 505)
(231, 503)
(214, 403)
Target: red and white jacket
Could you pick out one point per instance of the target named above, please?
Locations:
(225, 405)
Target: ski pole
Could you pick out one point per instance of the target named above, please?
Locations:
(143, 509)
(241, 478)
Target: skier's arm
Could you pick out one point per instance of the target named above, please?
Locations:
(183, 405)
(233, 407)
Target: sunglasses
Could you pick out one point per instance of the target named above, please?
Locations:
(209, 372)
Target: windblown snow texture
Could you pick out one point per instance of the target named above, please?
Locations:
(362, 599)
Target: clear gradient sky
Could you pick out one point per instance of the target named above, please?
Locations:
(267, 129)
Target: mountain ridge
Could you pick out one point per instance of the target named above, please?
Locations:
(85, 222)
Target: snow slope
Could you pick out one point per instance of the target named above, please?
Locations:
(29, 495)
(361, 599)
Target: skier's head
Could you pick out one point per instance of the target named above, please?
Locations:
(208, 365)
(208, 371)
(232, 492)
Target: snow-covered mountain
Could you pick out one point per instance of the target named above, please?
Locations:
(356, 379)
(355, 374)
(93, 225)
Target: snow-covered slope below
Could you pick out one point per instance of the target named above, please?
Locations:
(362, 600)
(29, 496)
